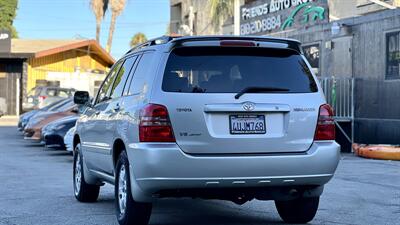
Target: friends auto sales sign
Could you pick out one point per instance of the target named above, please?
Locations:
(270, 16)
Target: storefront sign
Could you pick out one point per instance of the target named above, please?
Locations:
(267, 16)
(5, 41)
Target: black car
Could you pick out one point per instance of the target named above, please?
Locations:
(54, 132)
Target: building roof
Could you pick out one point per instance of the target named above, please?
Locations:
(41, 48)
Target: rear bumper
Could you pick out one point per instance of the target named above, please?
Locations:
(157, 167)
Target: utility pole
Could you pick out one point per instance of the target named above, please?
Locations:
(236, 17)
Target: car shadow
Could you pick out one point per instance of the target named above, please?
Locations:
(171, 211)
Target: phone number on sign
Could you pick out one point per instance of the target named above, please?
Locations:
(259, 26)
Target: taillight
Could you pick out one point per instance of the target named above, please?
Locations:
(155, 125)
(42, 98)
(326, 124)
(234, 43)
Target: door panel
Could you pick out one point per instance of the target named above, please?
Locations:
(289, 124)
(98, 133)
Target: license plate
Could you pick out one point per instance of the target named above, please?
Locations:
(247, 124)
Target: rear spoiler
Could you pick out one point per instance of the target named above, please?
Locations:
(291, 43)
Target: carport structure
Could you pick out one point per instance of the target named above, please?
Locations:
(28, 63)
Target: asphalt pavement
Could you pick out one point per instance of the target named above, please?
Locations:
(36, 188)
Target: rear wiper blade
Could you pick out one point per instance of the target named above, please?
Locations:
(260, 89)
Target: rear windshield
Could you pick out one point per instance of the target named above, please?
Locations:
(232, 69)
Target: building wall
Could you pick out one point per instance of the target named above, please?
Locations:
(179, 11)
(70, 61)
(377, 112)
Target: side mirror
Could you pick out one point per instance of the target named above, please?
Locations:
(81, 97)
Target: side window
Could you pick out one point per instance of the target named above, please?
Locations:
(122, 76)
(51, 92)
(106, 86)
(142, 69)
(63, 93)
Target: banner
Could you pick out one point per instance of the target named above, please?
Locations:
(270, 16)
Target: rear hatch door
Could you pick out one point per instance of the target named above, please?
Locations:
(278, 114)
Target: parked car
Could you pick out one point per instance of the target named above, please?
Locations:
(33, 129)
(25, 117)
(40, 97)
(53, 133)
(220, 117)
(68, 139)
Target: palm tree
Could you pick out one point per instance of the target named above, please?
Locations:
(220, 11)
(99, 8)
(138, 38)
(117, 6)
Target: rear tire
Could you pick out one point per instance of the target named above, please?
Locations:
(83, 191)
(300, 210)
(128, 211)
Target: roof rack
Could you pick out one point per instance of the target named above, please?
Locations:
(156, 41)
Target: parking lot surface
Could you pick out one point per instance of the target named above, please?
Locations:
(36, 188)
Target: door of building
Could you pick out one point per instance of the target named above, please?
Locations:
(342, 60)
(10, 74)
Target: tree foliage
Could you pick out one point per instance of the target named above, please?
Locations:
(138, 38)
(220, 11)
(8, 12)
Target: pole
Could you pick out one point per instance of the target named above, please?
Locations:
(236, 18)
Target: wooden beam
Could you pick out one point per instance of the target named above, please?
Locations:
(384, 4)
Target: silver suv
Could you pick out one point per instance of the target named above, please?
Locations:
(214, 117)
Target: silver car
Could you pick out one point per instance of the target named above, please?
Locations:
(214, 117)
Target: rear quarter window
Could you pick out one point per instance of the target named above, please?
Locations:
(231, 69)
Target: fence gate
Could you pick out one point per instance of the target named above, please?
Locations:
(339, 93)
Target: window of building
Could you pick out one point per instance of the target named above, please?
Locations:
(176, 17)
(311, 52)
(393, 55)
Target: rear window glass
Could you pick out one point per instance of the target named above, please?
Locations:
(232, 69)
(63, 93)
(51, 92)
(34, 91)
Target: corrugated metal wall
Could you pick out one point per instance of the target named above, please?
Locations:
(377, 108)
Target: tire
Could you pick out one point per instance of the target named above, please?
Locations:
(83, 191)
(300, 210)
(128, 211)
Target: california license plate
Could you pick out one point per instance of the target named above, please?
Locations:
(247, 124)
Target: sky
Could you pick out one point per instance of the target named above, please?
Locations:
(70, 19)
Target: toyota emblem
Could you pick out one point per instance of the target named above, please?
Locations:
(248, 106)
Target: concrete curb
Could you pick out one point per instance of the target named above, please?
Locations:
(9, 121)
